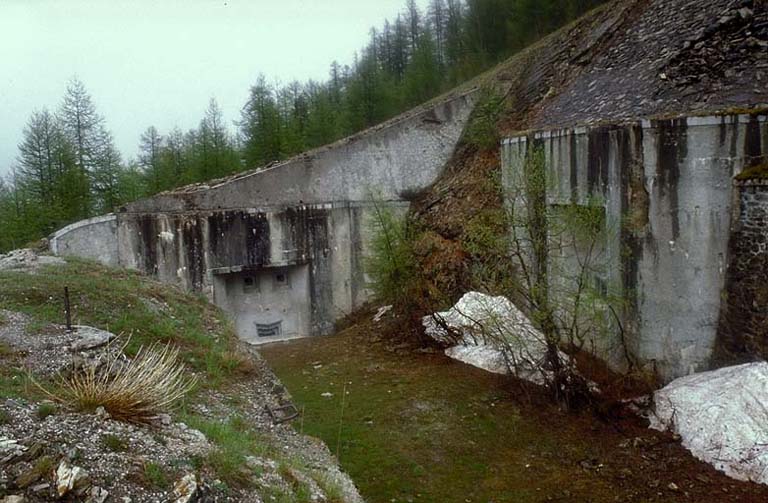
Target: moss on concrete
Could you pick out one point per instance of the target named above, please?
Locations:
(759, 172)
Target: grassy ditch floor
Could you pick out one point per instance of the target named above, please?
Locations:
(420, 427)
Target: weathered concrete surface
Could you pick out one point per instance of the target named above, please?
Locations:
(666, 187)
(319, 249)
(94, 238)
(394, 159)
(283, 249)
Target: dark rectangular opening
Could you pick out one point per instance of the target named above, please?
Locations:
(250, 284)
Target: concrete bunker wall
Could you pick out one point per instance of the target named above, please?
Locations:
(392, 160)
(667, 190)
(306, 220)
(304, 262)
(95, 238)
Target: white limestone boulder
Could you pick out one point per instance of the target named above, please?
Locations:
(721, 417)
(90, 338)
(26, 260)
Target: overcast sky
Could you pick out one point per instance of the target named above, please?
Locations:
(151, 62)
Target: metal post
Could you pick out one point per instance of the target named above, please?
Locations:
(67, 309)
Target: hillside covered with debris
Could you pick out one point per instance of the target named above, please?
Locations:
(626, 60)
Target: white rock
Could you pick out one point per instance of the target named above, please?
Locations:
(257, 463)
(327, 394)
(97, 495)
(484, 357)
(69, 478)
(16, 498)
(184, 490)
(10, 448)
(25, 259)
(381, 313)
(721, 418)
(90, 338)
(493, 335)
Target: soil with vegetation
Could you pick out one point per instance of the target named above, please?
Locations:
(219, 443)
(409, 424)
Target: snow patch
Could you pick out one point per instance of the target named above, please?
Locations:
(721, 418)
(494, 335)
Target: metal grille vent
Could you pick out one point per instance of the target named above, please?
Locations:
(269, 330)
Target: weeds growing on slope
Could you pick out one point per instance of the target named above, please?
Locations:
(150, 384)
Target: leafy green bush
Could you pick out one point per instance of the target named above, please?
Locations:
(391, 263)
(483, 130)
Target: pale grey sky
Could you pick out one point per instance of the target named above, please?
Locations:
(151, 62)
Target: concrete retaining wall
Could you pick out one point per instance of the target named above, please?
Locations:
(400, 157)
(666, 188)
(95, 238)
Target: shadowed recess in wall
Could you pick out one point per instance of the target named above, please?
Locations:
(239, 238)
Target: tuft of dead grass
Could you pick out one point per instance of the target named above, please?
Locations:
(135, 392)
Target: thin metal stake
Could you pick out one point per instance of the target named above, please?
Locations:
(67, 309)
(341, 422)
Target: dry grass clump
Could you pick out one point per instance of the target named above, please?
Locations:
(134, 392)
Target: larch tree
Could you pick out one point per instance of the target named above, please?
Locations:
(150, 144)
(105, 174)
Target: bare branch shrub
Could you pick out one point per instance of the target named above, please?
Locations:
(559, 251)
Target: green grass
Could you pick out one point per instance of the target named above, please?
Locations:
(14, 383)
(5, 350)
(42, 467)
(114, 443)
(46, 409)
(155, 476)
(422, 428)
(115, 300)
(234, 441)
